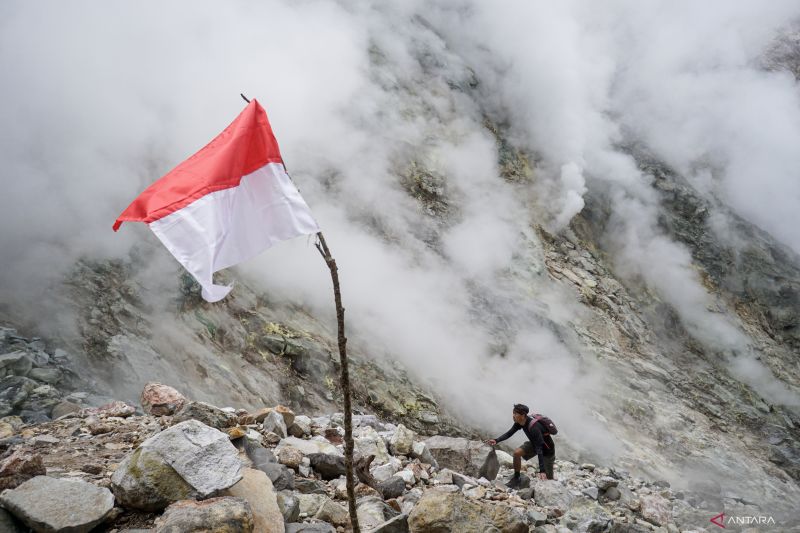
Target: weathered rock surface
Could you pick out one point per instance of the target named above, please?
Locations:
(373, 512)
(14, 391)
(462, 455)
(368, 442)
(146, 482)
(655, 509)
(115, 409)
(49, 504)
(439, 511)
(274, 422)
(64, 408)
(333, 513)
(19, 467)
(328, 466)
(15, 364)
(398, 524)
(161, 400)
(301, 427)
(551, 494)
(394, 487)
(288, 505)
(419, 450)
(207, 414)
(256, 488)
(309, 446)
(310, 503)
(291, 457)
(189, 459)
(310, 528)
(287, 414)
(220, 515)
(402, 441)
(46, 375)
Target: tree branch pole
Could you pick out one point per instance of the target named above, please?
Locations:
(344, 378)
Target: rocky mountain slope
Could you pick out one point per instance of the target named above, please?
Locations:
(658, 325)
(189, 466)
(672, 405)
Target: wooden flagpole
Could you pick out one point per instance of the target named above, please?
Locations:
(344, 378)
(344, 375)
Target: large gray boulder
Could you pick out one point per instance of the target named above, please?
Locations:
(185, 461)
(49, 504)
(440, 510)
(473, 458)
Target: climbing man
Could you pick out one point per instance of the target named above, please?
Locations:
(538, 430)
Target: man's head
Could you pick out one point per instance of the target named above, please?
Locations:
(520, 413)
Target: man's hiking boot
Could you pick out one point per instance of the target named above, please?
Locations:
(514, 482)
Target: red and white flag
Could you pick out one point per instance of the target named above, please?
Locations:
(225, 204)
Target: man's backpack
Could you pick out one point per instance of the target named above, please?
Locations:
(549, 427)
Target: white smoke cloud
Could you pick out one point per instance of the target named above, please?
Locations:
(683, 77)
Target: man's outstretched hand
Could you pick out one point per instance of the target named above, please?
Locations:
(491, 442)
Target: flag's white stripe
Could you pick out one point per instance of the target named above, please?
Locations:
(227, 227)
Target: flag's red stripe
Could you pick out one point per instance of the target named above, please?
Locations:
(245, 146)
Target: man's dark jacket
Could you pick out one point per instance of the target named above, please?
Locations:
(542, 444)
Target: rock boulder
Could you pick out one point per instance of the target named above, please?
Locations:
(439, 511)
(328, 466)
(226, 514)
(161, 400)
(256, 488)
(207, 414)
(49, 504)
(185, 461)
(19, 467)
(473, 458)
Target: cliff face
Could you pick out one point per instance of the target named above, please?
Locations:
(674, 357)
